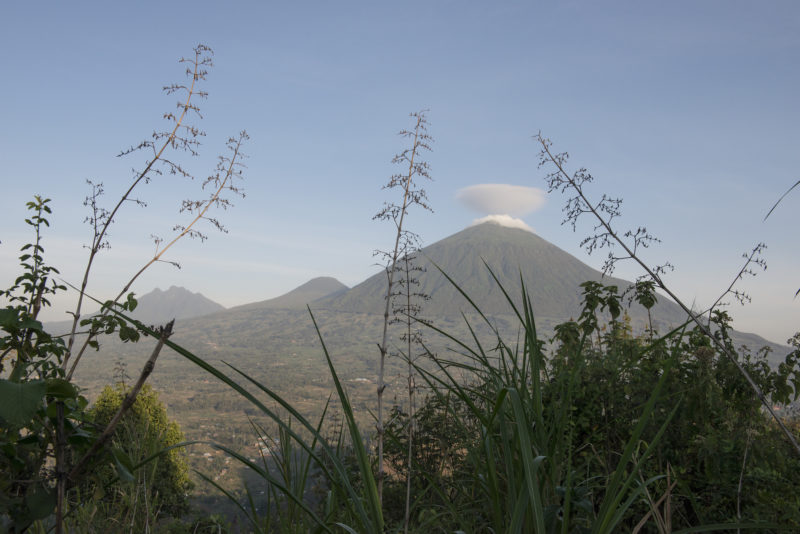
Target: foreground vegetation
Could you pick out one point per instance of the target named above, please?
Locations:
(602, 436)
(596, 428)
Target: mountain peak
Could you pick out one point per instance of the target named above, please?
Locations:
(177, 302)
(314, 289)
(503, 220)
(551, 276)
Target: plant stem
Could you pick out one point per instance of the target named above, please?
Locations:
(390, 270)
(411, 411)
(60, 475)
(97, 242)
(229, 173)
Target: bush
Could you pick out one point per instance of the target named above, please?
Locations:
(144, 431)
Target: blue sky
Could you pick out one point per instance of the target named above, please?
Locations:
(687, 110)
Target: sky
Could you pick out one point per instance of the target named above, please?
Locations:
(688, 111)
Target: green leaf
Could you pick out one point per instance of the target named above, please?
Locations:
(79, 439)
(40, 503)
(61, 389)
(123, 464)
(19, 401)
(30, 439)
(52, 410)
(530, 463)
(729, 527)
(31, 324)
(9, 318)
(130, 303)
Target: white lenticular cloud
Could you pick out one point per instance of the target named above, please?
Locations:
(516, 200)
(504, 220)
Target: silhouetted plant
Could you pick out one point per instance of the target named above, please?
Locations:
(415, 168)
(183, 136)
(776, 205)
(780, 199)
(407, 312)
(39, 409)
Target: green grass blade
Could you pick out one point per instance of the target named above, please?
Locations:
(373, 522)
(233, 499)
(529, 463)
(264, 474)
(339, 467)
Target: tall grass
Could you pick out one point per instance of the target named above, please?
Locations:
(517, 474)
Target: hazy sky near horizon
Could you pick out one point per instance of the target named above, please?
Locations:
(687, 110)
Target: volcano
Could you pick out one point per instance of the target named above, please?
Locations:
(552, 279)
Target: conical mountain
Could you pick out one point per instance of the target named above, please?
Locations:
(552, 278)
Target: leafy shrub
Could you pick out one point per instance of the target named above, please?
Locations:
(145, 431)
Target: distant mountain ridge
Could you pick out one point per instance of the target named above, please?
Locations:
(176, 302)
(297, 298)
(350, 319)
(158, 307)
(277, 343)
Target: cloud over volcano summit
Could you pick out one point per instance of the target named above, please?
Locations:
(492, 199)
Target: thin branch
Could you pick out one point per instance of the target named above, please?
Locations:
(779, 200)
(741, 480)
(197, 73)
(753, 258)
(411, 195)
(228, 167)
